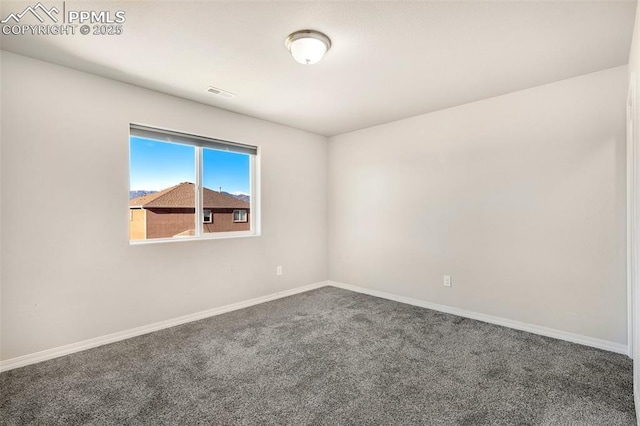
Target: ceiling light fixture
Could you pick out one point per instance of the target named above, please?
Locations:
(307, 46)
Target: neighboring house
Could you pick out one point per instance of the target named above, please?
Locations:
(170, 213)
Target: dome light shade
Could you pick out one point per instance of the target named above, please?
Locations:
(307, 46)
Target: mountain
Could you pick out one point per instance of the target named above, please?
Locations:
(243, 197)
(137, 193)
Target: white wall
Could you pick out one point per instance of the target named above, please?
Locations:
(68, 271)
(520, 198)
(634, 73)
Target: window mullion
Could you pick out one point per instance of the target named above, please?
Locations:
(199, 216)
(253, 190)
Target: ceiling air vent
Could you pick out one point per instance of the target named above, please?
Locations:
(220, 92)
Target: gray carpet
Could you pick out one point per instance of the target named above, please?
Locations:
(326, 357)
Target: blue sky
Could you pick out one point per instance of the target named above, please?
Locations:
(157, 165)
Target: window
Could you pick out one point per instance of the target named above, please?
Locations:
(239, 215)
(207, 217)
(178, 182)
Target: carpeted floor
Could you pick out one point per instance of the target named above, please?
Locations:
(326, 357)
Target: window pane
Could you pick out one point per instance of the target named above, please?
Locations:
(226, 181)
(161, 189)
(239, 215)
(206, 216)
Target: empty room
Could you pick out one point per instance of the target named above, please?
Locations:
(319, 212)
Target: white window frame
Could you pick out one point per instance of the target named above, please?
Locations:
(240, 215)
(200, 143)
(204, 216)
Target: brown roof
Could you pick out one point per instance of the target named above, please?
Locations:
(183, 195)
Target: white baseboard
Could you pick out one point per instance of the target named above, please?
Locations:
(535, 329)
(122, 335)
(33, 358)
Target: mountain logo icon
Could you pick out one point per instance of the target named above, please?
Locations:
(38, 10)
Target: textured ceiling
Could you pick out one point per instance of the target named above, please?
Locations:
(389, 60)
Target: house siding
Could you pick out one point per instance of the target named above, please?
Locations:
(137, 229)
(223, 222)
(167, 223)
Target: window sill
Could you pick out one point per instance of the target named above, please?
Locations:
(224, 236)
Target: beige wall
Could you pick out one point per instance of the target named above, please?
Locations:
(634, 72)
(65, 146)
(520, 198)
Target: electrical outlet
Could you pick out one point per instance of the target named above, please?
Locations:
(447, 280)
(278, 270)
